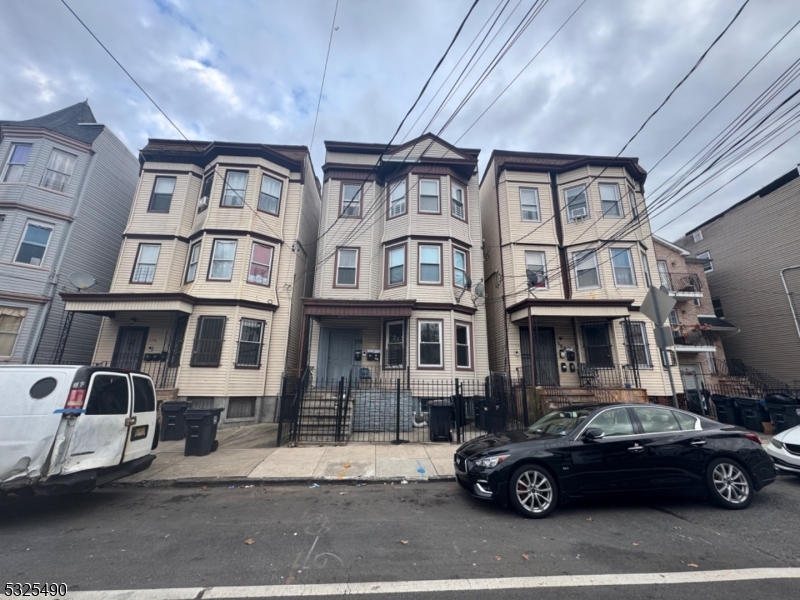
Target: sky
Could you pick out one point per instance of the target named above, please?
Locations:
(250, 71)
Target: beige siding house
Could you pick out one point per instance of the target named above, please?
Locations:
(569, 259)
(216, 258)
(751, 253)
(398, 265)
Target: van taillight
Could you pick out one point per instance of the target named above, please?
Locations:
(76, 399)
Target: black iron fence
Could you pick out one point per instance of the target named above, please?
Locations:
(681, 282)
(156, 366)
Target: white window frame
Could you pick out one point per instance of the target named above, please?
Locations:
(213, 259)
(398, 204)
(465, 270)
(616, 201)
(440, 326)
(386, 364)
(354, 202)
(697, 236)
(579, 257)
(630, 266)
(633, 203)
(236, 195)
(146, 276)
(389, 251)
(643, 330)
(708, 267)
(68, 176)
(529, 206)
(259, 342)
(544, 284)
(438, 185)
(193, 261)
(468, 327)
(419, 264)
(269, 265)
(648, 279)
(585, 202)
(41, 225)
(9, 164)
(261, 192)
(16, 335)
(339, 267)
(453, 202)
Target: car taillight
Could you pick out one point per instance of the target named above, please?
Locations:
(76, 398)
(753, 438)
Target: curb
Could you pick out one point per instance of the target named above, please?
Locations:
(272, 481)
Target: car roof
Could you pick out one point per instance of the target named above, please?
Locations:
(597, 405)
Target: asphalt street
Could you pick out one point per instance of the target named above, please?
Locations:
(138, 538)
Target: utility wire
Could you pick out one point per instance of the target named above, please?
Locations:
(324, 72)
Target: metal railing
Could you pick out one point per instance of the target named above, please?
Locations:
(692, 337)
(682, 282)
(163, 375)
(750, 376)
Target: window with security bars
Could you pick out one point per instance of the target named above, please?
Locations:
(636, 344)
(457, 198)
(596, 345)
(395, 345)
(59, 170)
(529, 204)
(201, 402)
(241, 407)
(251, 334)
(146, 260)
(207, 349)
(397, 198)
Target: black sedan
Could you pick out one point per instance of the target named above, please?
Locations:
(596, 450)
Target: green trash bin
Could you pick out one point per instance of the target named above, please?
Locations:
(201, 431)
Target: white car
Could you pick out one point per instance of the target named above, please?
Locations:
(785, 450)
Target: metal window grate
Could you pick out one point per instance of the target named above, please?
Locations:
(201, 402)
(241, 408)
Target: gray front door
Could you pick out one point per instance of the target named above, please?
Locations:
(341, 350)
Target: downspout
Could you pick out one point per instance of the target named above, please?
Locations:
(562, 251)
(789, 296)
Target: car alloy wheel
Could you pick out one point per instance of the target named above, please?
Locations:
(534, 491)
(731, 483)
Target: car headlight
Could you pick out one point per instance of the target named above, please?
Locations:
(778, 444)
(490, 461)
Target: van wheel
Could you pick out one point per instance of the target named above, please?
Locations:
(729, 484)
(533, 492)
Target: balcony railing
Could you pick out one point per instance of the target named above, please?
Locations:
(604, 377)
(163, 375)
(692, 337)
(682, 283)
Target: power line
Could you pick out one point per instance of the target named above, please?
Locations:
(324, 72)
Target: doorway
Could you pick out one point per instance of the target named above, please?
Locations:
(545, 357)
(129, 348)
(337, 353)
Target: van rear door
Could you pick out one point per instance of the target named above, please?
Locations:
(98, 439)
(143, 418)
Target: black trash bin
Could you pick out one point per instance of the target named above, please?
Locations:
(496, 416)
(440, 416)
(481, 413)
(173, 421)
(727, 411)
(754, 413)
(201, 431)
(783, 410)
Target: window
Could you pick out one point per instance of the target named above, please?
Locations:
(586, 271)
(260, 264)
(717, 304)
(638, 352)
(457, 197)
(396, 265)
(251, 334)
(697, 301)
(634, 205)
(208, 338)
(17, 160)
(622, 265)
(463, 346)
(646, 270)
(205, 194)
(269, 199)
(708, 265)
(347, 267)
(108, 395)
(162, 195)
(241, 407)
(395, 345)
(144, 397)
(597, 345)
(351, 200)
(656, 420)
(536, 264)
(429, 196)
(663, 274)
(234, 188)
(610, 200)
(673, 318)
(59, 170)
(194, 259)
(668, 358)
(430, 344)
(697, 236)
(529, 204)
(577, 203)
(222, 254)
(613, 422)
(397, 198)
(430, 264)
(34, 244)
(686, 421)
(460, 268)
(146, 259)
(10, 323)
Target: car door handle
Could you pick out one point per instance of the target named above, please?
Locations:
(699, 443)
(130, 421)
(636, 448)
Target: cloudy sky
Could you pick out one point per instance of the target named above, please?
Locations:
(250, 70)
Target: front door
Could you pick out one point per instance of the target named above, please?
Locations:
(129, 348)
(341, 350)
(545, 359)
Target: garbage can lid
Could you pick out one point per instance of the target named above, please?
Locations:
(174, 406)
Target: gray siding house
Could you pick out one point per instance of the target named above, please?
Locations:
(745, 250)
(66, 188)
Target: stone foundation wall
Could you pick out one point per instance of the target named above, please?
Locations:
(376, 410)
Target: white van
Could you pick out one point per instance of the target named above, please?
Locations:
(70, 429)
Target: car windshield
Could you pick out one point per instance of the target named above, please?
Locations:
(560, 422)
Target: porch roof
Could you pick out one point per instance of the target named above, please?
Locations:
(107, 304)
(319, 307)
(576, 307)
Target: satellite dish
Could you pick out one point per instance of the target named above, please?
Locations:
(81, 280)
(480, 290)
(533, 278)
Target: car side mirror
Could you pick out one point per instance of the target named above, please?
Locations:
(593, 434)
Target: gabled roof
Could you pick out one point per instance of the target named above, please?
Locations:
(672, 246)
(76, 121)
(543, 161)
(470, 154)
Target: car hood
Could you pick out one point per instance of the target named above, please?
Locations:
(500, 440)
(790, 436)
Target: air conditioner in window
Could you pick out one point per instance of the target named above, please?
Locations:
(397, 209)
(203, 202)
(578, 214)
(529, 215)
